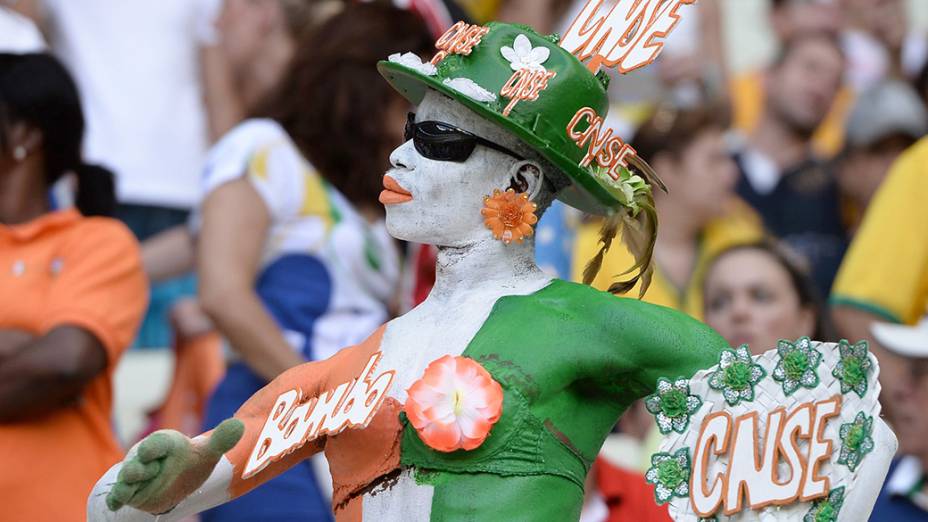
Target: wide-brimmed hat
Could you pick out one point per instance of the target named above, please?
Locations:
(482, 77)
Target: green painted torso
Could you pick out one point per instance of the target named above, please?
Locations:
(570, 360)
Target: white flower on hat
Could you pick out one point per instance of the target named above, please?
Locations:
(412, 61)
(469, 88)
(523, 56)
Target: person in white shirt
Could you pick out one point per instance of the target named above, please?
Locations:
(139, 69)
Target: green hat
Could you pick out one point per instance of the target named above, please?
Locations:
(478, 78)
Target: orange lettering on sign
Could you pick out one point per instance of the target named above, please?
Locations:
(714, 433)
(751, 473)
(814, 486)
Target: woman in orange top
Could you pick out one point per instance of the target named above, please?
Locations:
(73, 293)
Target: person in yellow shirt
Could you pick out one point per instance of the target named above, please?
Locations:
(884, 276)
(699, 215)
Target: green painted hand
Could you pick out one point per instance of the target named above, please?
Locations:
(168, 467)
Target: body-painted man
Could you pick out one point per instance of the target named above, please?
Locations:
(490, 400)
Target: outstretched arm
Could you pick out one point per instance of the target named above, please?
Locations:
(281, 425)
(653, 341)
(673, 344)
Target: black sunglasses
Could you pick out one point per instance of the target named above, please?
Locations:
(443, 142)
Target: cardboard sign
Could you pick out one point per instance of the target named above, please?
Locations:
(626, 37)
(783, 435)
(294, 421)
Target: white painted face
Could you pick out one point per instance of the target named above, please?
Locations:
(447, 196)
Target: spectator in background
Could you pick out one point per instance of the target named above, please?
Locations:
(758, 293)
(294, 259)
(887, 119)
(790, 19)
(885, 274)
(73, 295)
(256, 45)
(920, 83)
(905, 493)
(781, 176)
(439, 15)
(542, 15)
(151, 109)
(555, 236)
(699, 215)
(880, 43)
(480, 11)
(250, 55)
(876, 38)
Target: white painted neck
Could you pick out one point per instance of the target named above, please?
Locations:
(485, 264)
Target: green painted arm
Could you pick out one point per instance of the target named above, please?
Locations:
(570, 334)
(621, 345)
(654, 341)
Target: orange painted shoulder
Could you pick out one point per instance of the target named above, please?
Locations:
(310, 380)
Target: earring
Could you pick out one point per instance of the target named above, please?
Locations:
(19, 153)
(509, 216)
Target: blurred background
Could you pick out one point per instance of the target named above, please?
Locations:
(242, 143)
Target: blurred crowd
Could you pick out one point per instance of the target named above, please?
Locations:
(202, 175)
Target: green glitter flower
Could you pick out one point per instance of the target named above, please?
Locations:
(826, 510)
(798, 365)
(737, 375)
(856, 440)
(854, 367)
(672, 404)
(670, 475)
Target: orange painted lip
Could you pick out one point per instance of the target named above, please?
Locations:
(393, 193)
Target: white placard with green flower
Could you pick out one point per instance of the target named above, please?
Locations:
(835, 385)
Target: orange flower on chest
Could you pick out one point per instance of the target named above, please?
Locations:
(509, 216)
(454, 405)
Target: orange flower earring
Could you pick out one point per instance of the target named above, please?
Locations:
(509, 216)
